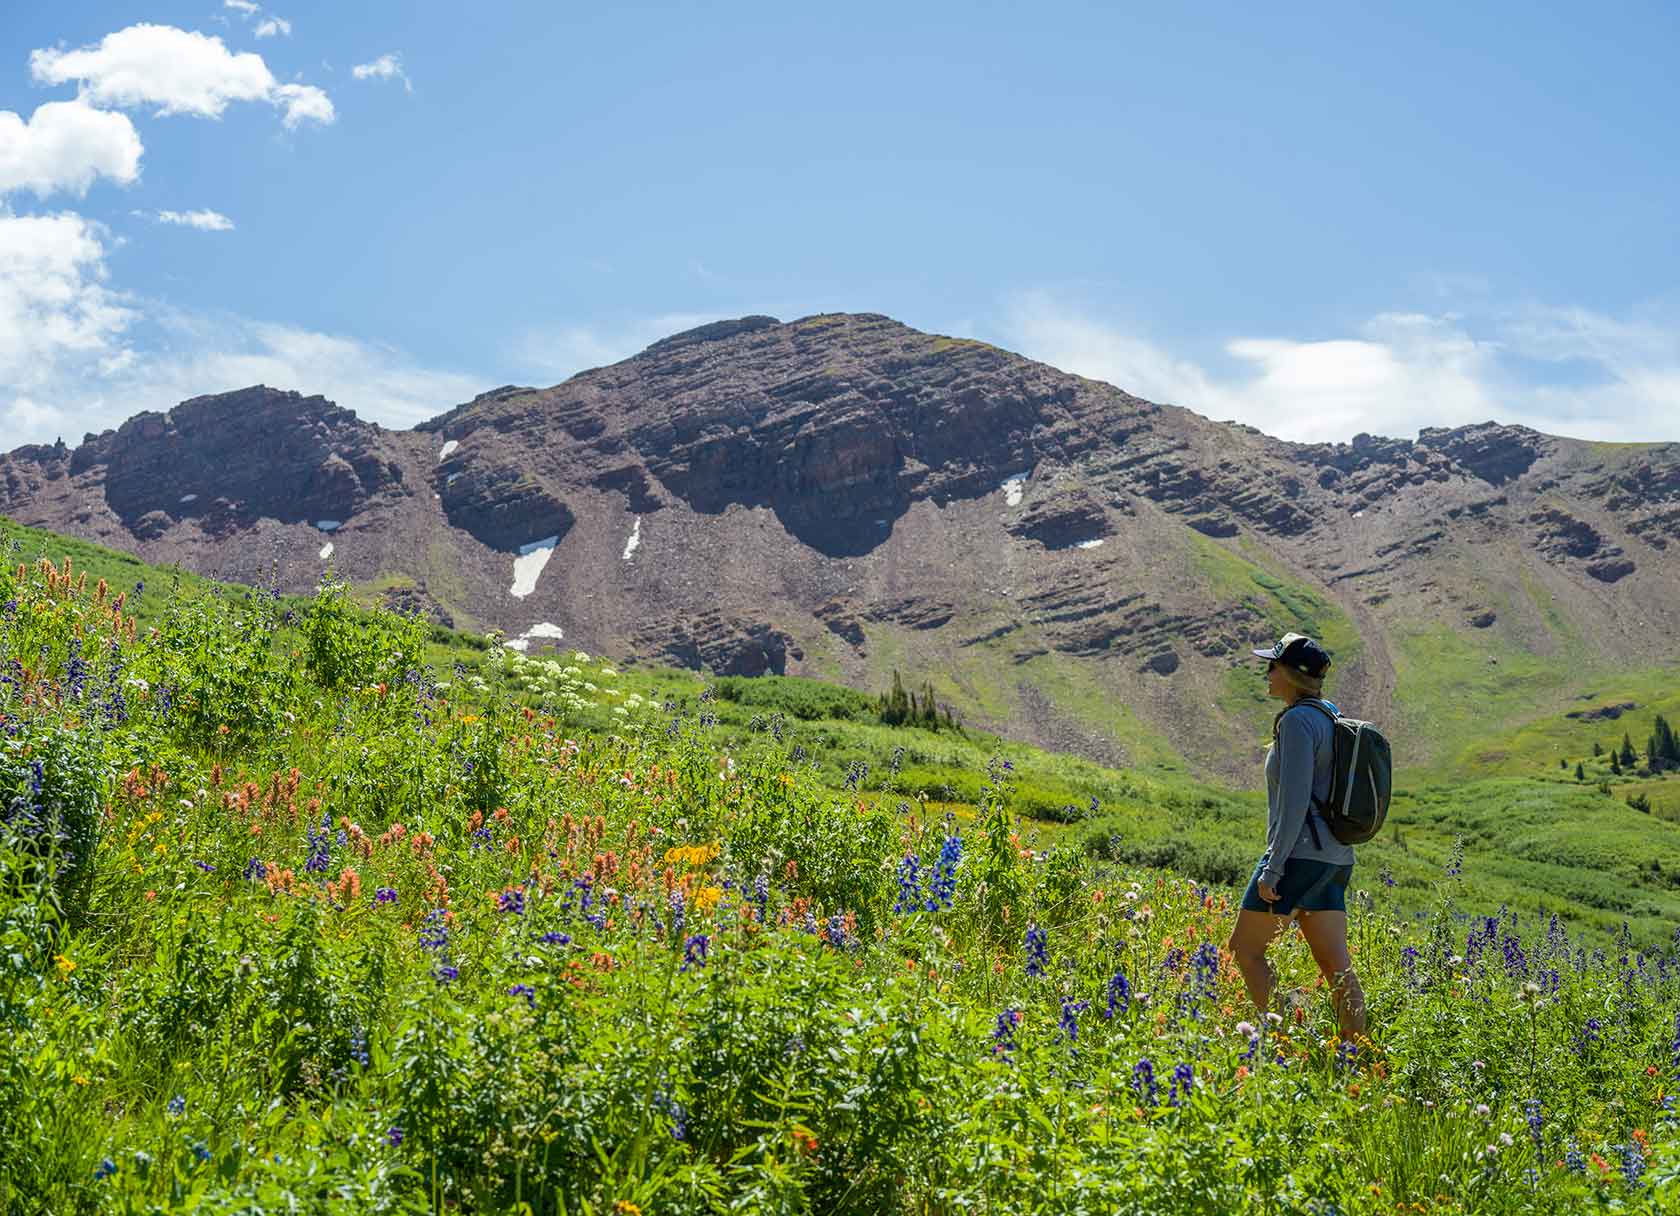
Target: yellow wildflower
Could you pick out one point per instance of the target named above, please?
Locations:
(65, 965)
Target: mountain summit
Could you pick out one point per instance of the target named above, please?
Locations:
(843, 495)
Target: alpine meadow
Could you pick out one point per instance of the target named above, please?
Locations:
(757, 609)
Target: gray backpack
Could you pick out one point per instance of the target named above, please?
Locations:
(1361, 777)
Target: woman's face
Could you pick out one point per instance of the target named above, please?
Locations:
(1277, 684)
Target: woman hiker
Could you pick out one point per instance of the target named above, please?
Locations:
(1303, 874)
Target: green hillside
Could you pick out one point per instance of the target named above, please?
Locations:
(307, 907)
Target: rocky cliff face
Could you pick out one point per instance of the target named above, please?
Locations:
(842, 494)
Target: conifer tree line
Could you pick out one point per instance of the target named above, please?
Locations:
(1662, 750)
(898, 707)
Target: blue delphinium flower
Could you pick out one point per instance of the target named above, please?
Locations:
(358, 1047)
(1143, 1081)
(1573, 1160)
(761, 897)
(434, 933)
(944, 885)
(837, 935)
(526, 991)
(1347, 1055)
(1119, 995)
(679, 910)
(694, 950)
(1455, 866)
(201, 1151)
(555, 938)
(106, 1168)
(810, 925)
(512, 901)
(1409, 959)
(394, 1136)
(482, 838)
(205, 866)
(1587, 1036)
(909, 884)
(1536, 1125)
(385, 895)
(177, 1104)
(255, 869)
(320, 847)
(1003, 1034)
(1038, 951)
(445, 974)
(1206, 965)
(855, 773)
(1183, 1078)
(1387, 877)
(1069, 1021)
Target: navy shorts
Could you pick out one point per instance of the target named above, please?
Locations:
(1306, 886)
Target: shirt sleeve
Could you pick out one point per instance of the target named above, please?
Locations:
(1295, 783)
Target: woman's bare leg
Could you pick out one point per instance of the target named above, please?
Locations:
(1326, 934)
(1254, 932)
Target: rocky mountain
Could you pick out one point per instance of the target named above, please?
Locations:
(843, 495)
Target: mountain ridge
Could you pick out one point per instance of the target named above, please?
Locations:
(842, 494)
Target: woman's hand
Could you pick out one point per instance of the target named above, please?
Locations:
(1268, 893)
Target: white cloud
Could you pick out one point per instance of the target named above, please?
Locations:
(205, 221)
(242, 6)
(1395, 374)
(70, 360)
(178, 71)
(556, 352)
(304, 103)
(271, 26)
(386, 67)
(66, 145)
(58, 320)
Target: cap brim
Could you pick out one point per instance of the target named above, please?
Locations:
(1264, 654)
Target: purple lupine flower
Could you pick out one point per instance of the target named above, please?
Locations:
(663, 1101)
(761, 897)
(1143, 1081)
(1573, 1161)
(384, 895)
(1206, 966)
(679, 910)
(909, 884)
(358, 1047)
(445, 974)
(1003, 1034)
(177, 1104)
(694, 950)
(394, 1136)
(1119, 995)
(1038, 951)
(555, 938)
(205, 866)
(106, 1168)
(434, 933)
(1387, 876)
(1183, 1079)
(320, 847)
(255, 869)
(1536, 1125)
(526, 991)
(1069, 1021)
(1633, 1163)
(512, 901)
(837, 935)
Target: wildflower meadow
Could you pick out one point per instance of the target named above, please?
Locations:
(293, 918)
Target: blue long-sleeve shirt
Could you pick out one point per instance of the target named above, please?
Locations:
(1298, 770)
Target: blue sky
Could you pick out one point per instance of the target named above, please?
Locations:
(1316, 220)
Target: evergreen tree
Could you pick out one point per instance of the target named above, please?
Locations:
(1615, 764)
(1580, 773)
(930, 709)
(1668, 747)
(1563, 763)
(1628, 757)
(1598, 748)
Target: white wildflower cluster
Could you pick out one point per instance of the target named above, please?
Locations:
(569, 686)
